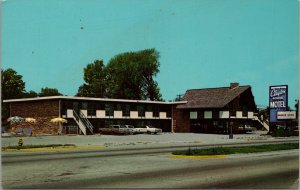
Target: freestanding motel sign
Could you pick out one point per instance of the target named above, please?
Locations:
(278, 103)
(278, 100)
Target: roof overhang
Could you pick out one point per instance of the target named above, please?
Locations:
(91, 99)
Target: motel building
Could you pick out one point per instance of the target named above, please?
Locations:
(210, 110)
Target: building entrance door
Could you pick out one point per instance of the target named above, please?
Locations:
(76, 107)
(196, 127)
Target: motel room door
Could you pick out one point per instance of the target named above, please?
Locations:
(196, 127)
(76, 107)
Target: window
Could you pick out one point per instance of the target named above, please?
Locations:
(149, 107)
(207, 114)
(193, 115)
(126, 110)
(100, 106)
(156, 111)
(141, 110)
(91, 109)
(118, 107)
(109, 110)
(84, 105)
(169, 113)
(76, 106)
(245, 110)
(232, 113)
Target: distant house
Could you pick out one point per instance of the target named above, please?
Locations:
(200, 110)
(215, 109)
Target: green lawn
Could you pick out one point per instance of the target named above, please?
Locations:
(238, 150)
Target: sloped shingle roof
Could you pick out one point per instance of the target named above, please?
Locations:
(211, 97)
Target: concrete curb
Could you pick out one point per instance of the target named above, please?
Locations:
(197, 157)
(90, 147)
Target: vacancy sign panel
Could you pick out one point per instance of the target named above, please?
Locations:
(286, 115)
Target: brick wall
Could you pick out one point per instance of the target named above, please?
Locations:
(43, 111)
(181, 121)
(43, 108)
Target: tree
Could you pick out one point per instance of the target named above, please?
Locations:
(12, 84)
(131, 75)
(297, 107)
(12, 87)
(49, 92)
(30, 94)
(95, 80)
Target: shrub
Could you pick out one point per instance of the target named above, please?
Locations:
(281, 132)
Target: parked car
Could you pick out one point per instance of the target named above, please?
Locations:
(246, 128)
(134, 130)
(117, 129)
(148, 129)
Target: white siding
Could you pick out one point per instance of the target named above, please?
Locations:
(69, 113)
(84, 112)
(239, 114)
(100, 113)
(250, 115)
(118, 114)
(162, 115)
(134, 114)
(148, 114)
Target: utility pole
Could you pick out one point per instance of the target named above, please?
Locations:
(231, 134)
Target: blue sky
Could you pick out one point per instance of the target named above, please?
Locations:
(202, 43)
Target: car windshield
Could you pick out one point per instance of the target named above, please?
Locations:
(129, 126)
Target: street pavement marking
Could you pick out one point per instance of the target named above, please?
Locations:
(197, 157)
(90, 147)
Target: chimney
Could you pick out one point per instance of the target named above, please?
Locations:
(234, 85)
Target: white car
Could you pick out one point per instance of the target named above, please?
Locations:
(148, 129)
(132, 128)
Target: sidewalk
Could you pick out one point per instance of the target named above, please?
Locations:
(164, 139)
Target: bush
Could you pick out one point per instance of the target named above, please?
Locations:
(281, 132)
(238, 150)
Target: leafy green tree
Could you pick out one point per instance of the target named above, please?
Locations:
(297, 107)
(49, 92)
(12, 84)
(30, 94)
(131, 75)
(95, 80)
(12, 87)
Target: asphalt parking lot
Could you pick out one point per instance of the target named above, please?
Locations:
(164, 139)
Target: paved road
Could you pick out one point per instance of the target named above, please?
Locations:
(149, 169)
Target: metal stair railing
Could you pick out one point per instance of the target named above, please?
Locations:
(86, 122)
(264, 123)
(79, 122)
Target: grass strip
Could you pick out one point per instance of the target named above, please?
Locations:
(38, 146)
(238, 150)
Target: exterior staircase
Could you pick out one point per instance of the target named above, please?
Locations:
(263, 123)
(83, 123)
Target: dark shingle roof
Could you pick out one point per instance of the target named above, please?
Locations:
(211, 97)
